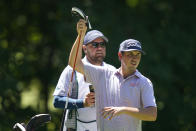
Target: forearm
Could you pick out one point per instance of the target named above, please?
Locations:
(76, 55)
(60, 101)
(75, 58)
(146, 114)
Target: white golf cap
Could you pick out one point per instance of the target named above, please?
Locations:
(92, 35)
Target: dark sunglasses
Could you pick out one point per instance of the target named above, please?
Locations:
(97, 44)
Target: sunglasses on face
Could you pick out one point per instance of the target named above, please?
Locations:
(98, 44)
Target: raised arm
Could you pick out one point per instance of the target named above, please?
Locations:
(75, 57)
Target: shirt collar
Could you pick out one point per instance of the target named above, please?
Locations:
(86, 60)
(137, 74)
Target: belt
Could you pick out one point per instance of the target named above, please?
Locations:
(86, 121)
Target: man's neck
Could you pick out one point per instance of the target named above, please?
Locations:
(98, 63)
(126, 73)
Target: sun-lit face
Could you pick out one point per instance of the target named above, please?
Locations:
(95, 51)
(130, 59)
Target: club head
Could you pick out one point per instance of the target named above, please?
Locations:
(78, 12)
(37, 120)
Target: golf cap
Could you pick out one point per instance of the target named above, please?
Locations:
(92, 35)
(131, 45)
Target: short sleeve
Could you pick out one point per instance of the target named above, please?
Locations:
(147, 93)
(93, 73)
(63, 82)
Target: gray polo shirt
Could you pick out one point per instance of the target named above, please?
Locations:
(84, 114)
(112, 89)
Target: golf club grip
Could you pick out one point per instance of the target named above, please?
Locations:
(91, 88)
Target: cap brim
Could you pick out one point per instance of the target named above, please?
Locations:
(103, 37)
(134, 50)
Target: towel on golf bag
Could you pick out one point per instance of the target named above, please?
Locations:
(71, 121)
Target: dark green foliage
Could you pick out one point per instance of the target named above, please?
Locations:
(36, 37)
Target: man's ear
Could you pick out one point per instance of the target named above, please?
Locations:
(119, 55)
(84, 49)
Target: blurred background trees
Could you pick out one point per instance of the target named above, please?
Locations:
(36, 37)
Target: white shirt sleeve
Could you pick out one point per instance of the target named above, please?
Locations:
(92, 73)
(147, 94)
(63, 82)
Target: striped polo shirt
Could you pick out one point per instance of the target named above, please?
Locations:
(111, 89)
